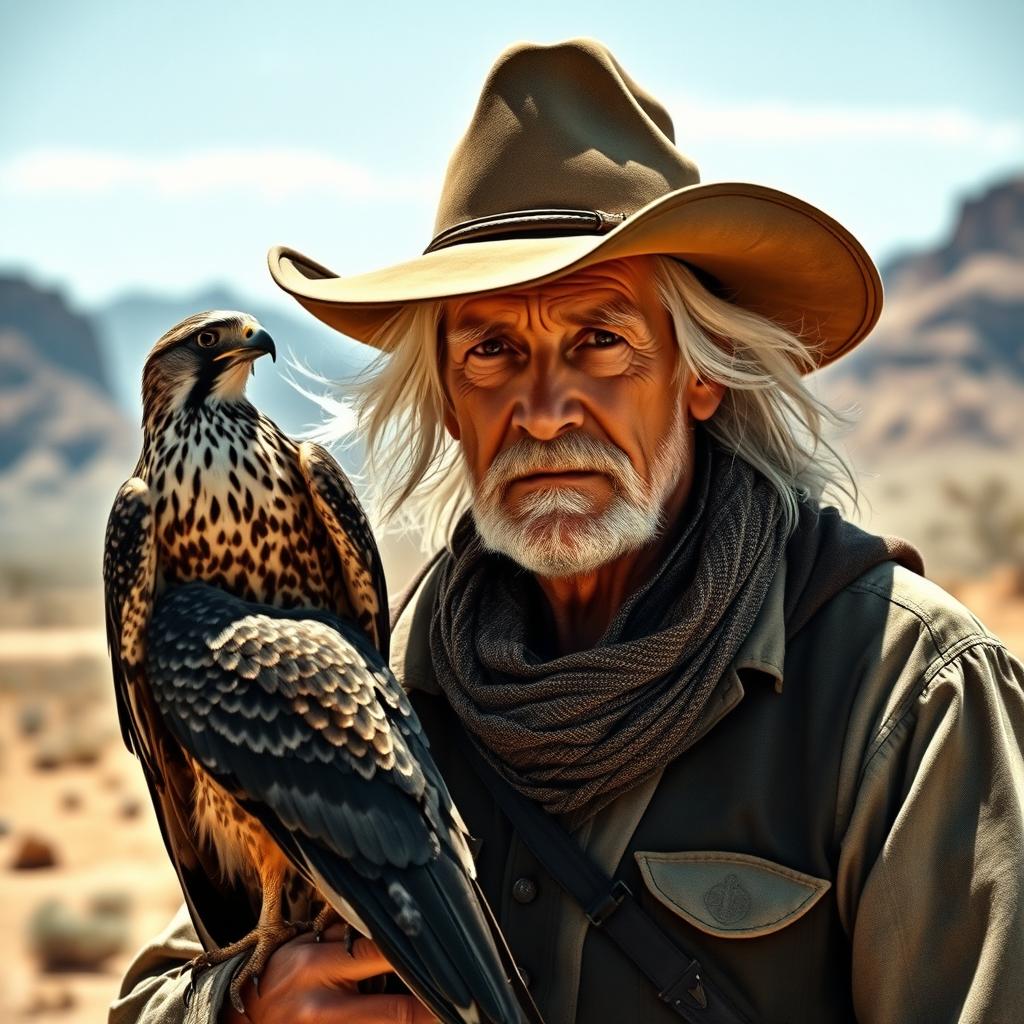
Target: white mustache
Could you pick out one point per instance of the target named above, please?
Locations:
(563, 531)
(572, 452)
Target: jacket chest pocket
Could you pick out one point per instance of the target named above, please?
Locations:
(781, 974)
(730, 895)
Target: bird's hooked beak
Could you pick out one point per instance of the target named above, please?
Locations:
(256, 344)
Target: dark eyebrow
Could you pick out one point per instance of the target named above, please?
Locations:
(615, 313)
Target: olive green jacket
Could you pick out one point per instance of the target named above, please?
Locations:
(843, 841)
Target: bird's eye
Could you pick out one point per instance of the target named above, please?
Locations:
(206, 339)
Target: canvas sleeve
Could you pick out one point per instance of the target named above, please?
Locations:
(153, 988)
(938, 930)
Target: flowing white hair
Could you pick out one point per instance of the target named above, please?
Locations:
(768, 416)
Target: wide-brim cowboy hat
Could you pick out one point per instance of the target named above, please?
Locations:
(567, 162)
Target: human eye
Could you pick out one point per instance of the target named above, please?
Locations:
(489, 348)
(600, 338)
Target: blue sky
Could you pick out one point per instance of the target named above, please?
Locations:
(167, 146)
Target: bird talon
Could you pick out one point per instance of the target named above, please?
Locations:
(350, 939)
(256, 984)
(236, 1002)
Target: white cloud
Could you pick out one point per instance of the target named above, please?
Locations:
(776, 121)
(278, 173)
(270, 173)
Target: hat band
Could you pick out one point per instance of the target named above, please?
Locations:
(526, 222)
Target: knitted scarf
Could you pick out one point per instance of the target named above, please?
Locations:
(574, 731)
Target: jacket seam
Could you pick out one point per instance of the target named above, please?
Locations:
(909, 605)
(936, 667)
(944, 656)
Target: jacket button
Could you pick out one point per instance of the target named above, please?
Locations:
(524, 890)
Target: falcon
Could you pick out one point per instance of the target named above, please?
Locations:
(246, 616)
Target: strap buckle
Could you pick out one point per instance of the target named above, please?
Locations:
(689, 983)
(609, 903)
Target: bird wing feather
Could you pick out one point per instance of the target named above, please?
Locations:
(296, 715)
(130, 581)
(341, 513)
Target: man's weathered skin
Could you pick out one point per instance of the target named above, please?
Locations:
(539, 363)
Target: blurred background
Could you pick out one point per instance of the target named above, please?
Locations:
(151, 154)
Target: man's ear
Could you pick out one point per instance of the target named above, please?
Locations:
(702, 397)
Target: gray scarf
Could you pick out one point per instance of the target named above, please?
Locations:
(574, 731)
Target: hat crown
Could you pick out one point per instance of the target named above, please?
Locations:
(561, 127)
(566, 163)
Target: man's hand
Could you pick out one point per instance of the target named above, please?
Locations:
(306, 981)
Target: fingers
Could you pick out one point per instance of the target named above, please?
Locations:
(330, 961)
(366, 961)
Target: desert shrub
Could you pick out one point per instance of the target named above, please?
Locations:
(62, 940)
(31, 719)
(73, 746)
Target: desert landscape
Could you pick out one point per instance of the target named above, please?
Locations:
(84, 878)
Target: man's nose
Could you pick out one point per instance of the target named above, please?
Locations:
(549, 406)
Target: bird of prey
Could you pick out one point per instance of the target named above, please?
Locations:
(247, 624)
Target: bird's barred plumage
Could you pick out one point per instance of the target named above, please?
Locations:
(246, 613)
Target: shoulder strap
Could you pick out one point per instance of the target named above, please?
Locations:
(609, 905)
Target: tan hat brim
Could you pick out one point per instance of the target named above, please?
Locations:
(770, 251)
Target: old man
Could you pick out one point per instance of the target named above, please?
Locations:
(792, 762)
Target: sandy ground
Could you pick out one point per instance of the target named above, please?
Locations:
(100, 849)
(60, 678)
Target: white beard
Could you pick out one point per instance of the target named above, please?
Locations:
(558, 532)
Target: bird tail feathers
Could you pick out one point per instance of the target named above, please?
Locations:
(434, 933)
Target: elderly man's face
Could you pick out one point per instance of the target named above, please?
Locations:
(575, 437)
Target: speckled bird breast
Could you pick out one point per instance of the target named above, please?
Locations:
(232, 510)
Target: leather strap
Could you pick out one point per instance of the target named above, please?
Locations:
(526, 222)
(609, 905)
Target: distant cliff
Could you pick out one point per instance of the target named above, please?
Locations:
(991, 223)
(62, 337)
(945, 365)
(64, 447)
(939, 388)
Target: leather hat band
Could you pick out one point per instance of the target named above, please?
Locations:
(527, 222)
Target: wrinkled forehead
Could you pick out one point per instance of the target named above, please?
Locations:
(623, 286)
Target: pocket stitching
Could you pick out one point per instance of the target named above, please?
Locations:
(778, 869)
(787, 873)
